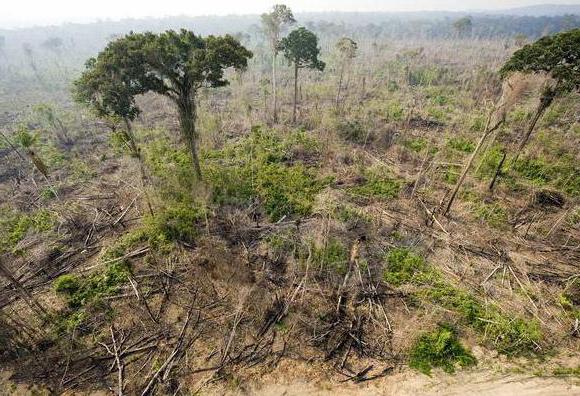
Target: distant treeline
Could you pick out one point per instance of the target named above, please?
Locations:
(363, 25)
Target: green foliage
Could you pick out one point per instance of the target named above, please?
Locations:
(300, 47)
(439, 349)
(15, 225)
(402, 266)
(461, 144)
(333, 255)
(24, 138)
(493, 214)
(394, 110)
(557, 55)
(567, 371)
(276, 20)
(509, 334)
(416, 144)
(352, 131)
(377, 184)
(80, 291)
(262, 168)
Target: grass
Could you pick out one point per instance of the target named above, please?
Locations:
(509, 334)
(439, 349)
(492, 214)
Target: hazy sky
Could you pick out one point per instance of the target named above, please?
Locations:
(28, 12)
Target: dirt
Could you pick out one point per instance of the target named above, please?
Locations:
(476, 382)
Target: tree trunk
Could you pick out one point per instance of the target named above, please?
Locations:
(137, 153)
(274, 85)
(25, 294)
(339, 86)
(498, 171)
(486, 133)
(545, 102)
(295, 92)
(187, 117)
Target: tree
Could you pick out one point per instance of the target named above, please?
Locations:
(173, 64)
(53, 44)
(557, 57)
(347, 49)
(301, 49)
(2, 45)
(273, 24)
(463, 26)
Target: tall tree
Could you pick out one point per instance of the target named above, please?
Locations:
(346, 49)
(557, 57)
(463, 26)
(173, 64)
(301, 49)
(274, 23)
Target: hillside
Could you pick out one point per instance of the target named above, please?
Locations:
(169, 225)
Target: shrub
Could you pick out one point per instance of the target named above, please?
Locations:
(402, 266)
(494, 215)
(82, 291)
(461, 144)
(352, 131)
(417, 144)
(439, 349)
(258, 169)
(377, 185)
(334, 255)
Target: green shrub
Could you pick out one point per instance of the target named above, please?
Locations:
(86, 290)
(461, 144)
(403, 266)
(439, 349)
(509, 334)
(261, 168)
(494, 215)
(334, 255)
(352, 131)
(377, 185)
(417, 144)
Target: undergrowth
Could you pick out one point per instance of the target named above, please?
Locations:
(439, 349)
(509, 334)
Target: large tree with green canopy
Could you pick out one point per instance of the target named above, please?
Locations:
(558, 58)
(173, 64)
(301, 49)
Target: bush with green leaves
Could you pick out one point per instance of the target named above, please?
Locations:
(378, 184)
(440, 348)
(262, 168)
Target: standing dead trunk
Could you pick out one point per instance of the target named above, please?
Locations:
(545, 102)
(274, 87)
(461, 180)
(341, 76)
(498, 171)
(295, 92)
(25, 294)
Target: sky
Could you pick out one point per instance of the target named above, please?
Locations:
(21, 13)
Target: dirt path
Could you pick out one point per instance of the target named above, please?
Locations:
(408, 383)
